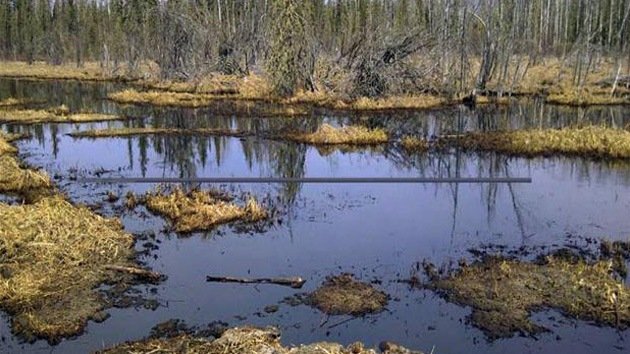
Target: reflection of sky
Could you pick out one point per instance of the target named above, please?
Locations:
(374, 231)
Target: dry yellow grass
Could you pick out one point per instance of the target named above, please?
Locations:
(218, 104)
(11, 102)
(343, 295)
(41, 70)
(591, 141)
(14, 178)
(412, 143)
(503, 293)
(349, 135)
(124, 132)
(201, 210)
(59, 114)
(247, 340)
(53, 255)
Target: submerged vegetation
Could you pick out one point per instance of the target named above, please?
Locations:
(248, 340)
(59, 114)
(343, 295)
(201, 210)
(591, 141)
(53, 257)
(503, 293)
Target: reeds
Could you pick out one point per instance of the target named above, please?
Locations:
(201, 210)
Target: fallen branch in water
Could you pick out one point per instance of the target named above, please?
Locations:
(294, 282)
(138, 272)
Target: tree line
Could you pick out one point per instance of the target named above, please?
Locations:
(377, 46)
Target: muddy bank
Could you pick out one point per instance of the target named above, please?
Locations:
(503, 292)
(248, 340)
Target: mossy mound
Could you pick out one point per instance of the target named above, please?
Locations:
(503, 293)
(53, 256)
(248, 340)
(201, 210)
(343, 295)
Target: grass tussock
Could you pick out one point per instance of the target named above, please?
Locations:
(248, 340)
(503, 293)
(125, 132)
(592, 141)
(343, 295)
(415, 144)
(53, 256)
(14, 178)
(349, 135)
(59, 114)
(218, 104)
(12, 102)
(201, 210)
(42, 70)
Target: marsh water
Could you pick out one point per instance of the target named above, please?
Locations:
(378, 232)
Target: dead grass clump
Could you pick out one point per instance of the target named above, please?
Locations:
(343, 295)
(13, 177)
(350, 135)
(124, 132)
(412, 143)
(201, 210)
(248, 340)
(503, 293)
(592, 141)
(53, 256)
(218, 104)
(17, 180)
(12, 102)
(59, 114)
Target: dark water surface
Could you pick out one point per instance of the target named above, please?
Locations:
(377, 232)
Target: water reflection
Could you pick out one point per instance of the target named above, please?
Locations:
(377, 231)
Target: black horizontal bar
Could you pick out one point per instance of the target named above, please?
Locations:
(151, 180)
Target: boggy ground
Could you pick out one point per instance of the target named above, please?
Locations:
(54, 255)
(247, 340)
(504, 292)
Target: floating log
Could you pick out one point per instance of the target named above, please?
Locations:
(294, 282)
